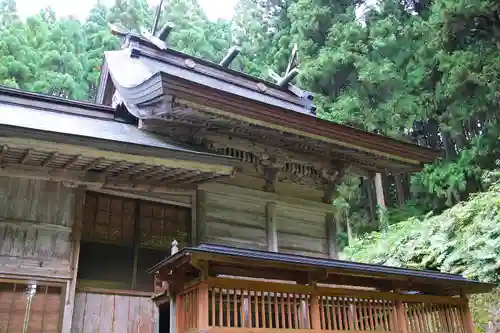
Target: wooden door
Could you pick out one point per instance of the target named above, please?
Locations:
(26, 308)
(102, 313)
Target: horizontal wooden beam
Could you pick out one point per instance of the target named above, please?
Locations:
(91, 152)
(145, 196)
(266, 286)
(37, 225)
(39, 268)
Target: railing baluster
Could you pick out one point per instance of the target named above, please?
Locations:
(269, 311)
(256, 308)
(228, 308)
(263, 309)
(242, 309)
(361, 316)
(235, 308)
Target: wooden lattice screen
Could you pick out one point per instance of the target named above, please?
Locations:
(120, 220)
(29, 308)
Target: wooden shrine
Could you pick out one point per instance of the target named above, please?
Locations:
(237, 170)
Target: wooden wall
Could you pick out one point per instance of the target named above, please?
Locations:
(36, 218)
(99, 313)
(301, 230)
(241, 217)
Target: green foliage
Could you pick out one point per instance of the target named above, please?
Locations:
(464, 239)
(447, 182)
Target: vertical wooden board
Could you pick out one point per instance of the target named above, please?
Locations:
(61, 248)
(146, 315)
(30, 242)
(18, 242)
(121, 318)
(21, 201)
(8, 241)
(156, 319)
(44, 244)
(92, 313)
(78, 313)
(106, 315)
(67, 208)
(134, 312)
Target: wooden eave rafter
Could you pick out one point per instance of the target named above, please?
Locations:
(77, 165)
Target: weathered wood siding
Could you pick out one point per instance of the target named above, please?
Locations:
(36, 217)
(301, 231)
(236, 221)
(99, 313)
(236, 216)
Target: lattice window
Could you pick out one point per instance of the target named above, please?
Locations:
(29, 308)
(122, 238)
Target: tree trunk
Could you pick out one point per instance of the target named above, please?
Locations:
(400, 190)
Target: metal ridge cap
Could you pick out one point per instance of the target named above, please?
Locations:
(29, 95)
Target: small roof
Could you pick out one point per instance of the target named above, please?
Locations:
(29, 114)
(337, 271)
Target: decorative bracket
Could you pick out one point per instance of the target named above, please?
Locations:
(332, 178)
(271, 165)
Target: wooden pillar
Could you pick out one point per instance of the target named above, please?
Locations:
(201, 205)
(173, 297)
(194, 222)
(331, 236)
(402, 318)
(246, 312)
(272, 234)
(203, 303)
(467, 316)
(70, 288)
(315, 313)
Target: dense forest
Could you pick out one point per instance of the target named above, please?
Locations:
(426, 71)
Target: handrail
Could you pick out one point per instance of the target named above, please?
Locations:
(327, 291)
(237, 305)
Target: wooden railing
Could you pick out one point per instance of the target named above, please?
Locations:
(232, 304)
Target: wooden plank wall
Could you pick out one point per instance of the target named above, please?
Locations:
(235, 221)
(301, 231)
(36, 218)
(99, 313)
(240, 217)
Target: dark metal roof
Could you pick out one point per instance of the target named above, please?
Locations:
(42, 117)
(293, 259)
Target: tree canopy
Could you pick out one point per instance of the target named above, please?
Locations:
(425, 71)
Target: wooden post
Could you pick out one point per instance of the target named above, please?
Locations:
(331, 235)
(70, 288)
(201, 205)
(173, 297)
(203, 303)
(315, 313)
(401, 317)
(272, 234)
(466, 315)
(194, 225)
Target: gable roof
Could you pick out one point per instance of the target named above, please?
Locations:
(211, 91)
